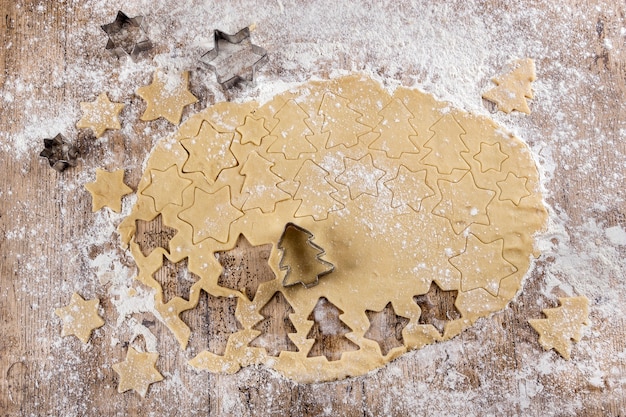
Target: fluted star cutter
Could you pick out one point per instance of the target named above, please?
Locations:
(234, 58)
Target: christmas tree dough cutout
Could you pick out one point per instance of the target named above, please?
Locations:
(386, 212)
(166, 97)
(100, 115)
(80, 317)
(513, 87)
(562, 325)
(108, 189)
(138, 371)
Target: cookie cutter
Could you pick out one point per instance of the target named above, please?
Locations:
(229, 60)
(60, 154)
(318, 257)
(127, 36)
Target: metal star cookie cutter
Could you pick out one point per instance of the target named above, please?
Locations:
(60, 154)
(309, 241)
(234, 58)
(127, 36)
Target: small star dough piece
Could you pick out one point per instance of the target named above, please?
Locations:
(100, 115)
(513, 88)
(138, 371)
(108, 190)
(166, 97)
(80, 317)
(562, 324)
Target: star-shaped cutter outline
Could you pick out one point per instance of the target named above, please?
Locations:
(111, 29)
(60, 154)
(230, 79)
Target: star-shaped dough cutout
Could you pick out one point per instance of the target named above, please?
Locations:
(463, 203)
(490, 157)
(80, 317)
(210, 215)
(108, 190)
(361, 176)
(409, 187)
(482, 265)
(166, 187)
(209, 152)
(252, 130)
(138, 371)
(100, 115)
(513, 188)
(166, 97)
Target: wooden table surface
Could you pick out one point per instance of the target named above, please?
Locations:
(52, 57)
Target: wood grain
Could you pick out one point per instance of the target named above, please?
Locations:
(43, 374)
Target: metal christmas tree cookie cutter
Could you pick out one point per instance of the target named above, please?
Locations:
(309, 241)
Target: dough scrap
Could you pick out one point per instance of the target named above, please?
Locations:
(108, 190)
(100, 115)
(166, 97)
(138, 371)
(80, 317)
(407, 195)
(562, 325)
(513, 87)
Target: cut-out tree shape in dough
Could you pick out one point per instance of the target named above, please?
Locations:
(446, 146)
(513, 188)
(275, 327)
(562, 325)
(217, 321)
(301, 258)
(490, 157)
(341, 121)
(209, 152)
(210, 215)
(423, 211)
(291, 132)
(437, 307)
(514, 87)
(395, 131)
(252, 131)
(386, 328)
(361, 176)
(259, 185)
(245, 267)
(463, 203)
(175, 279)
(329, 332)
(482, 265)
(315, 192)
(166, 187)
(409, 187)
(153, 234)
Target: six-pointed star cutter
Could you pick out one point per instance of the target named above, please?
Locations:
(234, 58)
(127, 36)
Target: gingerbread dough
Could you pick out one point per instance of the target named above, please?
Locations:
(100, 115)
(80, 317)
(403, 192)
(166, 97)
(108, 189)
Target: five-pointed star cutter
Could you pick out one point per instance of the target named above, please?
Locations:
(234, 58)
(127, 36)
